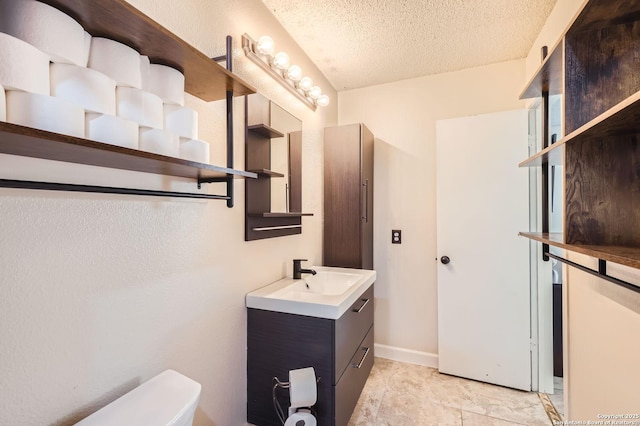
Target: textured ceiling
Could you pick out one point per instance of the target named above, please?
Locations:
(359, 43)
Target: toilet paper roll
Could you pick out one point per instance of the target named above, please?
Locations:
(303, 388)
(159, 142)
(142, 107)
(181, 120)
(168, 83)
(3, 105)
(118, 61)
(23, 67)
(44, 27)
(145, 72)
(112, 130)
(88, 88)
(87, 48)
(45, 113)
(301, 418)
(194, 150)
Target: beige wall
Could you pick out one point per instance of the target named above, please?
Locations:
(402, 116)
(603, 345)
(601, 319)
(99, 292)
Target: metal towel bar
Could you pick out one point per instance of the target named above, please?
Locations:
(600, 273)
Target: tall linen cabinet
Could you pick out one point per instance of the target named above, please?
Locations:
(348, 197)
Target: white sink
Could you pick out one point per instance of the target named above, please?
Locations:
(328, 294)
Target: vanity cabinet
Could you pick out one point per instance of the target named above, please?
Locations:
(340, 351)
(594, 66)
(348, 197)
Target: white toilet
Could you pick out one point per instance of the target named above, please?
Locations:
(169, 399)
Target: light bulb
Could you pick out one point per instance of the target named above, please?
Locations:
(265, 45)
(305, 83)
(281, 61)
(315, 92)
(294, 73)
(323, 100)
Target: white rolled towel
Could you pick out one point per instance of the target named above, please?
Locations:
(45, 27)
(3, 105)
(22, 66)
(145, 72)
(159, 142)
(181, 120)
(142, 107)
(194, 150)
(118, 61)
(45, 113)
(168, 83)
(112, 130)
(88, 88)
(87, 48)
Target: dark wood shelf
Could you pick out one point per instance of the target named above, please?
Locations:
(599, 14)
(266, 173)
(118, 20)
(281, 214)
(628, 256)
(622, 119)
(264, 130)
(29, 142)
(548, 77)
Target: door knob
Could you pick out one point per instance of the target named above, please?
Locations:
(445, 260)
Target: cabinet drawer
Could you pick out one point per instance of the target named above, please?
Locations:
(350, 329)
(348, 389)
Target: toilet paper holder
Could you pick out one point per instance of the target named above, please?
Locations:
(302, 387)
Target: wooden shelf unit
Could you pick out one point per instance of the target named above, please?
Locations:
(600, 154)
(204, 78)
(29, 142)
(548, 77)
(266, 173)
(120, 21)
(622, 119)
(629, 256)
(281, 214)
(262, 116)
(266, 131)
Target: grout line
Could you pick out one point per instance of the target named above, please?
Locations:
(552, 413)
(493, 417)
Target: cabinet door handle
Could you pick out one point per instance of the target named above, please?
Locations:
(359, 364)
(357, 311)
(366, 201)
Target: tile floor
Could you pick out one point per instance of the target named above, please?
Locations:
(557, 398)
(398, 394)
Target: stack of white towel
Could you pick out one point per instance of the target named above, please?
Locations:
(60, 79)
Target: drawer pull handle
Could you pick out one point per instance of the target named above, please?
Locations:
(359, 364)
(357, 311)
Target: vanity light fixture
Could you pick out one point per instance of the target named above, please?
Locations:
(279, 67)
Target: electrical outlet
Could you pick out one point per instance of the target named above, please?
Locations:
(396, 236)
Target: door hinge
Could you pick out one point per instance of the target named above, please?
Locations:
(533, 345)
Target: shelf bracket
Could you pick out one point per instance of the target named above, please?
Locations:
(545, 172)
(53, 186)
(227, 58)
(600, 273)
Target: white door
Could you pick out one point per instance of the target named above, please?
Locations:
(483, 292)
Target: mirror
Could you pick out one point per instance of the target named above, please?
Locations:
(283, 160)
(273, 150)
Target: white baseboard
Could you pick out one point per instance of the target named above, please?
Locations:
(406, 355)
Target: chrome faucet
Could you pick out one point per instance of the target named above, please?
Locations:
(298, 271)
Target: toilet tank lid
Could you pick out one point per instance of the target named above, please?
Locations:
(162, 400)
